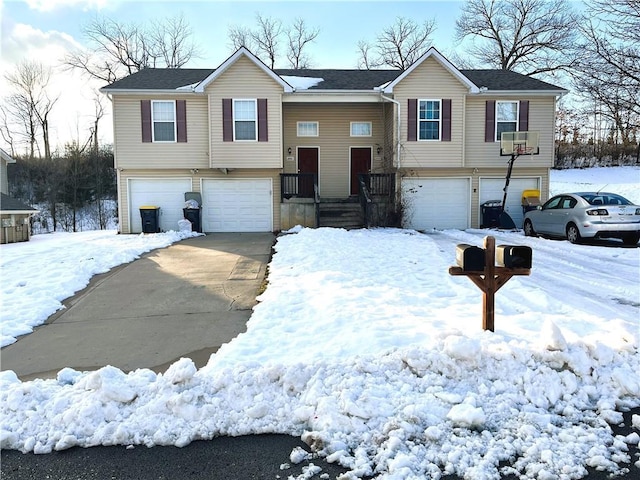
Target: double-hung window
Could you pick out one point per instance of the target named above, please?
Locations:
(163, 118)
(245, 119)
(506, 118)
(429, 120)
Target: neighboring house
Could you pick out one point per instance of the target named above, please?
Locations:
(14, 215)
(263, 146)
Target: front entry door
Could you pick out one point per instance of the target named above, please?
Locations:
(360, 163)
(307, 163)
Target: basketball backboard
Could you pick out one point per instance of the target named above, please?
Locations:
(519, 143)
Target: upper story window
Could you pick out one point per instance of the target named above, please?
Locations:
(163, 118)
(429, 119)
(506, 117)
(308, 129)
(361, 129)
(245, 120)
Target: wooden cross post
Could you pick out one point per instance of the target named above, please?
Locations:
(493, 277)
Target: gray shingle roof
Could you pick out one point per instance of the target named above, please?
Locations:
(8, 204)
(161, 79)
(173, 78)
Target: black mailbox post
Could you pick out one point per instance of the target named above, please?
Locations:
(489, 278)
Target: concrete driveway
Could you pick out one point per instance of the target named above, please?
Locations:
(185, 300)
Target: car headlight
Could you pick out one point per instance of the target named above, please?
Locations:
(598, 212)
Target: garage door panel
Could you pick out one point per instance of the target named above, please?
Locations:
(237, 205)
(493, 189)
(166, 193)
(440, 203)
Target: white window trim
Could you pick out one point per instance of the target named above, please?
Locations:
(496, 116)
(351, 134)
(175, 122)
(255, 109)
(439, 100)
(317, 124)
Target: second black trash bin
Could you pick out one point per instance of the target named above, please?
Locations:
(193, 215)
(150, 216)
(491, 211)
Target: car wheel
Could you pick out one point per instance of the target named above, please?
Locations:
(573, 234)
(631, 238)
(528, 229)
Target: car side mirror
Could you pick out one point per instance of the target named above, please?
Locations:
(539, 207)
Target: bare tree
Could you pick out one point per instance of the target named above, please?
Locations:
(267, 38)
(31, 103)
(240, 37)
(528, 36)
(398, 45)
(299, 35)
(117, 49)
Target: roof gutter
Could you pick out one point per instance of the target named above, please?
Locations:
(133, 91)
(398, 121)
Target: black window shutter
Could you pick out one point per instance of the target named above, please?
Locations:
(490, 121)
(227, 120)
(523, 116)
(145, 114)
(412, 120)
(446, 120)
(181, 120)
(263, 131)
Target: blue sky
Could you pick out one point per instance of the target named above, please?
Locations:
(342, 23)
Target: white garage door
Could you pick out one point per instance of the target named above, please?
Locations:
(493, 189)
(166, 193)
(237, 205)
(439, 203)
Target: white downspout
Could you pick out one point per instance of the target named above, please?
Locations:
(398, 121)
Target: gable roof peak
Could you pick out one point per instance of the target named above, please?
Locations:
(242, 52)
(433, 52)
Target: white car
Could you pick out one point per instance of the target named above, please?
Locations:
(575, 216)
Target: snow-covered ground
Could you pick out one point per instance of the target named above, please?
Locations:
(366, 347)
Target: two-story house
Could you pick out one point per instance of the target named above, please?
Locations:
(266, 149)
(14, 215)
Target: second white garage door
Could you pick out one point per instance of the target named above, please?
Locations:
(439, 203)
(237, 205)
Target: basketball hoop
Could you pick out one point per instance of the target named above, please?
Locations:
(519, 143)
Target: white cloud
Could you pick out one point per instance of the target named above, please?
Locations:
(50, 5)
(74, 111)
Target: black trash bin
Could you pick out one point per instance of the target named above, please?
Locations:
(150, 219)
(491, 211)
(193, 215)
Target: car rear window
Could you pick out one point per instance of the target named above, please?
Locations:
(605, 199)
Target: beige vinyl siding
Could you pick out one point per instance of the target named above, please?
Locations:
(196, 183)
(475, 175)
(245, 80)
(430, 80)
(486, 154)
(131, 152)
(334, 140)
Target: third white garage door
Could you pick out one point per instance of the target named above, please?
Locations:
(237, 205)
(439, 203)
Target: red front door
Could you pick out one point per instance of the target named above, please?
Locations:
(360, 163)
(307, 163)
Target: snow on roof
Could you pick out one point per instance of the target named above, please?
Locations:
(301, 83)
(188, 88)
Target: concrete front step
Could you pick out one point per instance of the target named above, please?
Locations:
(341, 215)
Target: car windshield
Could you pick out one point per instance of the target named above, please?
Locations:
(605, 199)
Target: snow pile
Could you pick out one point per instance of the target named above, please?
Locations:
(38, 275)
(624, 181)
